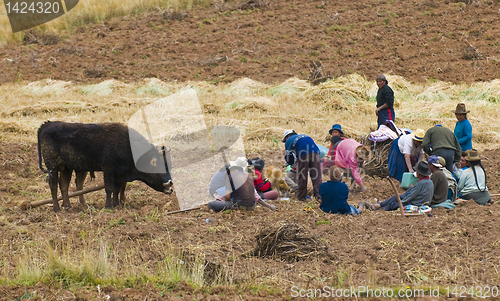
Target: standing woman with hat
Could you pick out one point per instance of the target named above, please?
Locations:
(385, 101)
(463, 128)
(406, 151)
(472, 182)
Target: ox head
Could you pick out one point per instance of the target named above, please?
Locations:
(154, 167)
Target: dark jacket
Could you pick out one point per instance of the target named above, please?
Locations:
(385, 95)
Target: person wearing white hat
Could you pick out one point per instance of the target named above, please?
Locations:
(304, 150)
(406, 151)
(238, 190)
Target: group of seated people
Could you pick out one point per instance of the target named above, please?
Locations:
(437, 186)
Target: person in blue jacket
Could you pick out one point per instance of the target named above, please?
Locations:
(334, 194)
(463, 128)
(306, 152)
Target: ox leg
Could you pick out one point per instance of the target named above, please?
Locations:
(122, 193)
(109, 187)
(53, 182)
(116, 191)
(80, 179)
(64, 180)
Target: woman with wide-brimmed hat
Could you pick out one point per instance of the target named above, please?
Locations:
(463, 128)
(406, 151)
(472, 182)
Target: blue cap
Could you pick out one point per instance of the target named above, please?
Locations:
(337, 127)
(434, 160)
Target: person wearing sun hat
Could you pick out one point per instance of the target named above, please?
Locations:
(439, 181)
(404, 153)
(463, 128)
(418, 195)
(472, 182)
(350, 154)
(441, 141)
(302, 150)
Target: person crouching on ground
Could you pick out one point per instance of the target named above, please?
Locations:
(418, 195)
(439, 181)
(239, 192)
(472, 182)
(263, 186)
(350, 154)
(406, 151)
(334, 194)
(303, 149)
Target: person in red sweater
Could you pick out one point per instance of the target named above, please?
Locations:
(337, 136)
(263, 186)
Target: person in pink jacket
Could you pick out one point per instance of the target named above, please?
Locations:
(351, 154)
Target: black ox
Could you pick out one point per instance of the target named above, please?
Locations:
(81, 147)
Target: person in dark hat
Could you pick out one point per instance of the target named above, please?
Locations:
(337, 135)
(463, 128)
(385, 101)
(418, 195)
(472, 182)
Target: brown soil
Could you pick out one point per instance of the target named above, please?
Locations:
(455, 41)
(376, 248)
(420, 40)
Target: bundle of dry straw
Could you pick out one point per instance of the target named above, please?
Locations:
(289, 242)
(377, 166)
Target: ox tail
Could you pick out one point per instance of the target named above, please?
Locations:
(40, 153)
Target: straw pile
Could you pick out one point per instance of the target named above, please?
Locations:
(289, 242)
(377, 166)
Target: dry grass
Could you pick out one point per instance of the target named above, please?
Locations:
(251, 105)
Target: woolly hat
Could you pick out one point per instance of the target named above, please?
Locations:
(423, 168)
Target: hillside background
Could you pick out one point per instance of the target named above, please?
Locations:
(268, 41)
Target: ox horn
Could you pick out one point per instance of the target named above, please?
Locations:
(168, 184)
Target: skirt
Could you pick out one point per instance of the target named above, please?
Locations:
(396, 163)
